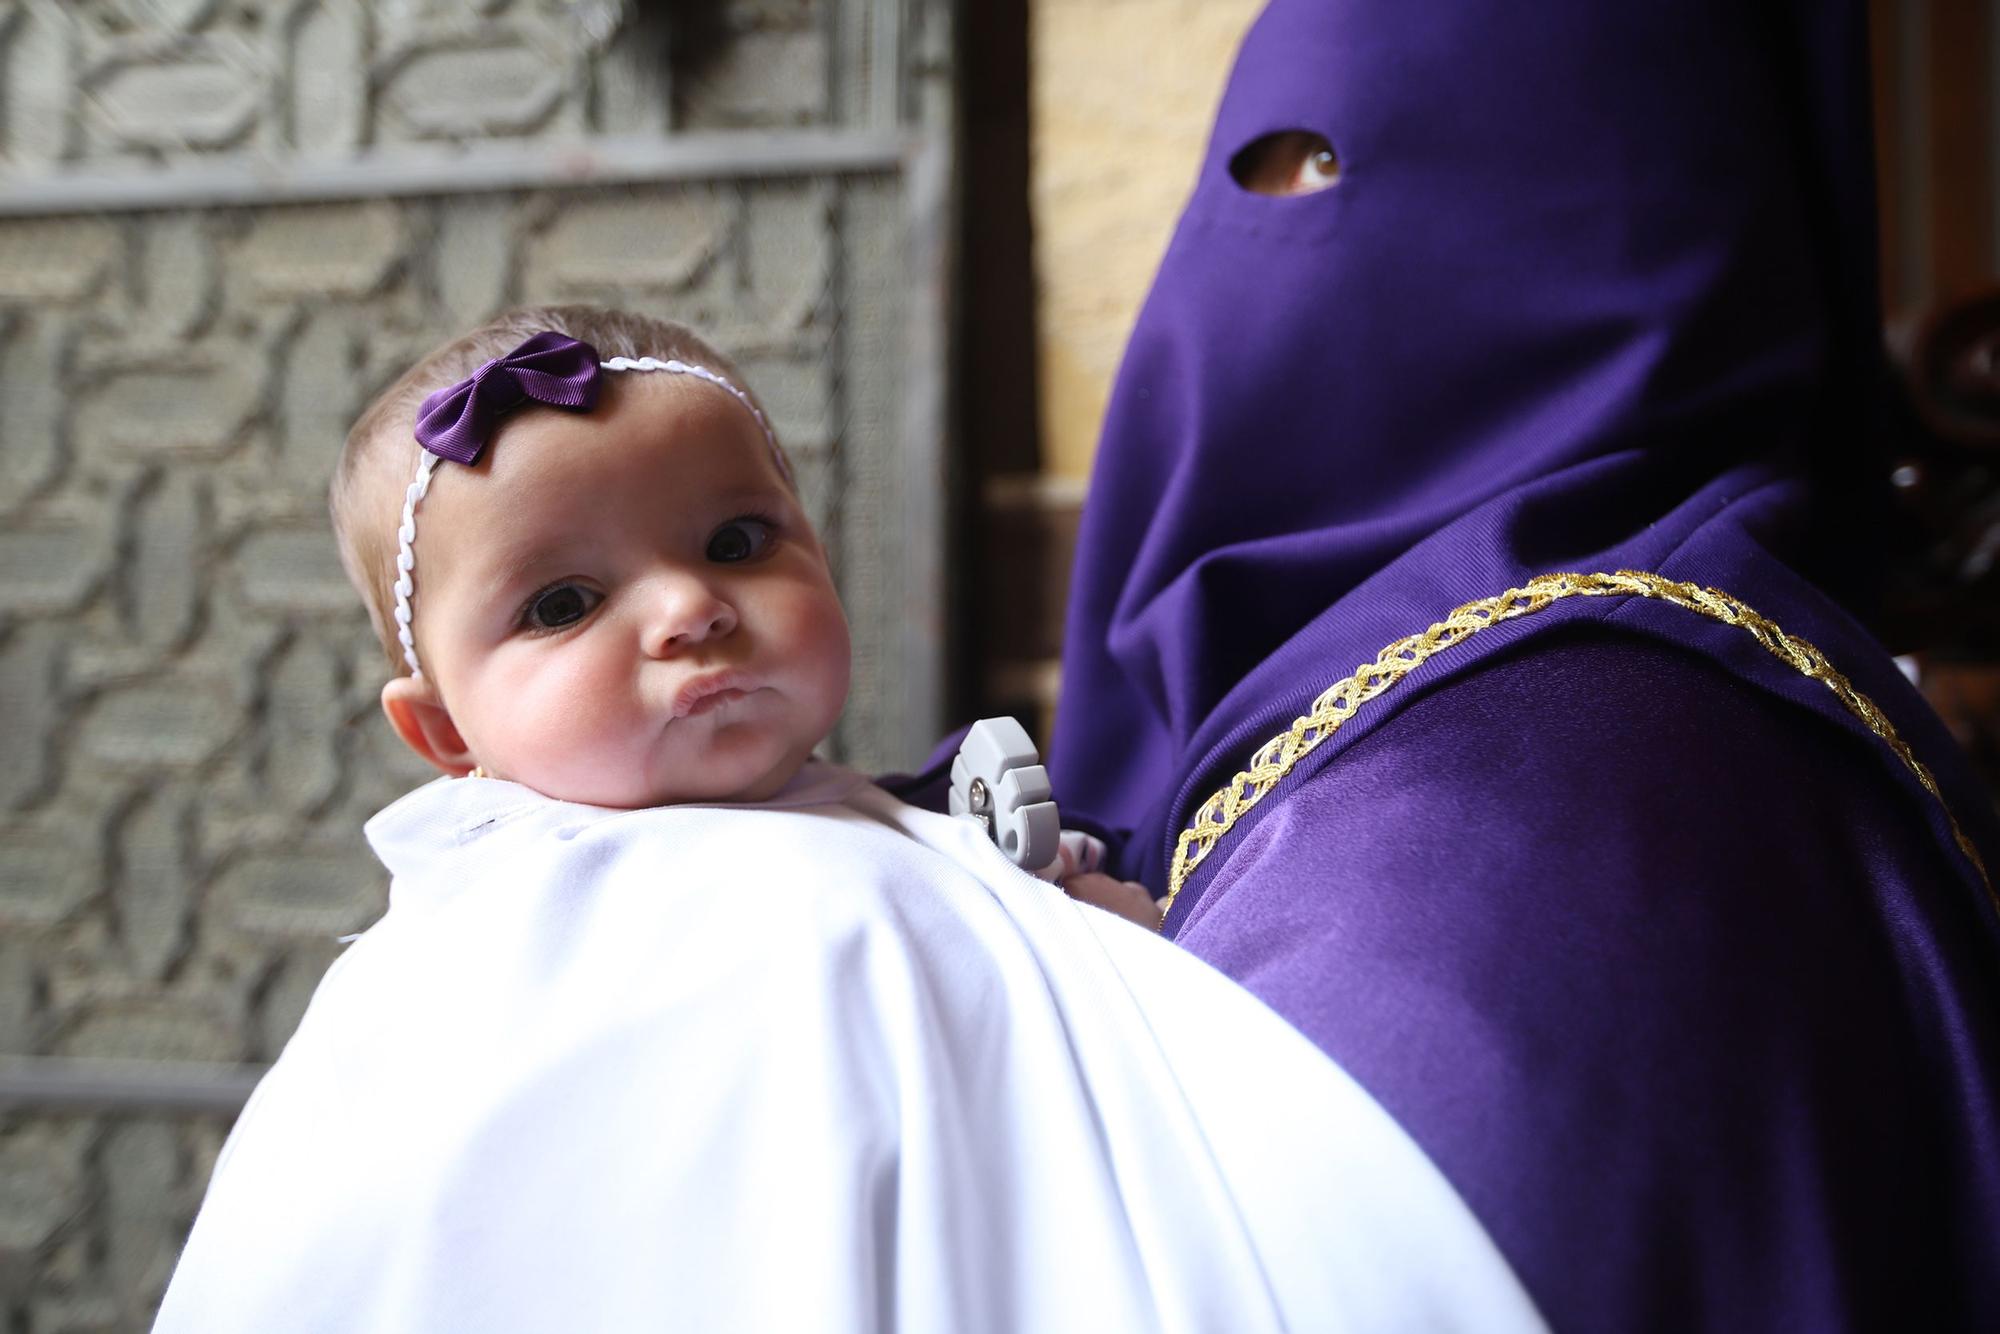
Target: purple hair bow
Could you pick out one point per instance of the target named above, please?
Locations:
(457, 422)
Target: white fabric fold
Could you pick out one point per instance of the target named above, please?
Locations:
(830, 1063)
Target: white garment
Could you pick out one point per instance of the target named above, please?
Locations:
(829, 1063)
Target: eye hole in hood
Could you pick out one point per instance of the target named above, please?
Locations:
(1286, 162)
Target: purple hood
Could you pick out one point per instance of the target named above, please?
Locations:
(1595, 290)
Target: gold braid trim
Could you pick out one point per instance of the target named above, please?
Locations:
(1339, 701)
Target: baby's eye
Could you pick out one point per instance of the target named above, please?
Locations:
(554, 608)
(739, 540)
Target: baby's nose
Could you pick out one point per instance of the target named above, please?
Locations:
(687, 612)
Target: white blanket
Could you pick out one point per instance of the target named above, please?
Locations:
(830, 1063)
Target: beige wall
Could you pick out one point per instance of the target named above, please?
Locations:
(1121, 96)
(1121, 93)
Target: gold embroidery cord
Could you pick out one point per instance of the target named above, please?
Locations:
(1275, 758)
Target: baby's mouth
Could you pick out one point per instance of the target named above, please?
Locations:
(710, 691)
(707, 702)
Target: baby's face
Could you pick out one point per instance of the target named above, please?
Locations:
(628, 607)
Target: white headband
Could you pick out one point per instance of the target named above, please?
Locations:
(406, 531)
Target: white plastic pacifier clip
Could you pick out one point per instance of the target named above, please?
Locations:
(406, 528)
(997, 779)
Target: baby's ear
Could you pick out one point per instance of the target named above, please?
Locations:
(419, 717)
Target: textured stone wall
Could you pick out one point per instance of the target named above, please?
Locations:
(168, 80)
(189, 735)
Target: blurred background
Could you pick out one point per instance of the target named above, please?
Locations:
(922, 227)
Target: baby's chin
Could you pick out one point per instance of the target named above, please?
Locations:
(722, 783)
(757, 787)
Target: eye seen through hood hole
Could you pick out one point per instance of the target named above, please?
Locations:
(1286, 162)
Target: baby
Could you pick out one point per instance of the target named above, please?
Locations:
(669, 1027)
(620, 602)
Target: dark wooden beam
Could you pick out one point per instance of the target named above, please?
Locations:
(1961, 146)
(1885, 33)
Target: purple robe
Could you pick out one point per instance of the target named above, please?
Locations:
(1661, 952)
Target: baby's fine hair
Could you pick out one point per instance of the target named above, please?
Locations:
(381, 452)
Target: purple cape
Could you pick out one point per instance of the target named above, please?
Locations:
(1656, 946)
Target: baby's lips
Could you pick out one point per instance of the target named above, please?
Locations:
(694, 692)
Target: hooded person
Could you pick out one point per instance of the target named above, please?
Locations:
(1451, 628)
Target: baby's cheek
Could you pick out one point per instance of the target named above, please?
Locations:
(836, 672)
(568, 714)
(834, 649)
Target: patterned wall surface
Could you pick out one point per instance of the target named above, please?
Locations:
(188, 687)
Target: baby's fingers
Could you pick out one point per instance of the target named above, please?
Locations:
(1128, 898)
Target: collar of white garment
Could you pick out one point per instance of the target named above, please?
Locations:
(452, 812)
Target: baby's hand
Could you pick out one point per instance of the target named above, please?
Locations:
(1075, 869)
(1128, 898)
